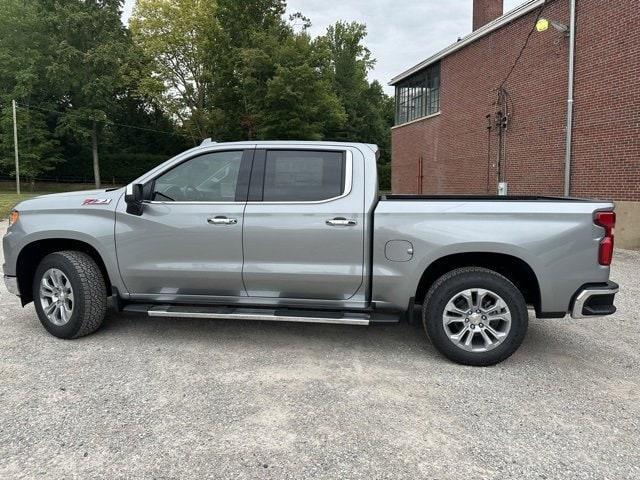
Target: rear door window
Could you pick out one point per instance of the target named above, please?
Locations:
(303, 175)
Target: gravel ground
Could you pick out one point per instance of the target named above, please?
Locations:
(170, 398)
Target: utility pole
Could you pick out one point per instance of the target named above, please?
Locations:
(15, 146)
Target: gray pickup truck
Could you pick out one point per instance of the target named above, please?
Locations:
(297, 231)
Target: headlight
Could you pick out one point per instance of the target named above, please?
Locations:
(13, 217)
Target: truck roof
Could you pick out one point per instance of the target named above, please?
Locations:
(371, 146)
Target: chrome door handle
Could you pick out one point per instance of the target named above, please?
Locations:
(341, 222)
(222, 221)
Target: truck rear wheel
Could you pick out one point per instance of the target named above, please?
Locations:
(69, 294)
(475, 316)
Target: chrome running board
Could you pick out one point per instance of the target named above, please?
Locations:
(260, 314)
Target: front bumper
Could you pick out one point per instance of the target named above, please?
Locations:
(12, 284)
(594, 300)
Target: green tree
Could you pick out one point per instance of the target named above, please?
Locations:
(236, 70)
(92, 48)
(275, 82)
(299, 101)
(70, 64)
(24, 55)
(39, 148)
(249, 34)
(178, 37)
(369, 110)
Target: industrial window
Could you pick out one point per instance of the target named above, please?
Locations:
(418, 95)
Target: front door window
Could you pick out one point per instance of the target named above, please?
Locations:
(212, 177)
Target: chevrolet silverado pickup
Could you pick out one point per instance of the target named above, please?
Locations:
(298, 232)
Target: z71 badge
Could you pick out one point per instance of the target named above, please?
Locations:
(97, 201)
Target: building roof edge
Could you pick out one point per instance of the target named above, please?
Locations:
(472, 37)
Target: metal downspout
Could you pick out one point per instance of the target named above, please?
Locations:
(567, 150)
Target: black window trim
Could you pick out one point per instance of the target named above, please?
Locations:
(256, 188)
(242, 187)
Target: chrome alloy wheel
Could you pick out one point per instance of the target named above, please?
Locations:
(56, 296)
(476, 320)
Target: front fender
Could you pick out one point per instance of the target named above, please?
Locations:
(92, 226)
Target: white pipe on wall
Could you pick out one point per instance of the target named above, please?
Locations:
(567, 150)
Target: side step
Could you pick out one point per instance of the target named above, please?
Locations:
(261, 314)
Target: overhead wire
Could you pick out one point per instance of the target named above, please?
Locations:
(506, 105)
(109, 122)
(524, 46)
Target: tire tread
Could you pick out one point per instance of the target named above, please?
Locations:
(463, 358)
(92, 290)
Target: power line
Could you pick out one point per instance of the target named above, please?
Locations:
(50, 110)
(526, 42)
(142, 128)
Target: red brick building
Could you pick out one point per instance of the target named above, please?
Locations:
(492, 108)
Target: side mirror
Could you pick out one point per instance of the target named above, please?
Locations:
(133, 197)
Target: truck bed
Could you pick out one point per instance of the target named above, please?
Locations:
(554, 236)
(504, 198)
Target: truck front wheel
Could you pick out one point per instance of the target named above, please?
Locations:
(475, 316)
(69, 294)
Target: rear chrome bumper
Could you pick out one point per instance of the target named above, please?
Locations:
(595, 300)
(12, 284)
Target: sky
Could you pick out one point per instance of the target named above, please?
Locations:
(401, 33)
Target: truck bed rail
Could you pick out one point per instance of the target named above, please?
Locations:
(492, 198)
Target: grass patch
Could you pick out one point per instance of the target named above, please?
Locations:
(46, 187)
(8, 197)
(9, 200)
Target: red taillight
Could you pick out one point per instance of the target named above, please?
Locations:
(606, 220)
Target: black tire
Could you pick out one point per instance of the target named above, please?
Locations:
(89, 291)
(456, 281)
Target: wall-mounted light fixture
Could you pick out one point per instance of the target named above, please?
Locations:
(542, 25)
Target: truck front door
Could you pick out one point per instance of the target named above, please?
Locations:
(304, 224)
(188, 241)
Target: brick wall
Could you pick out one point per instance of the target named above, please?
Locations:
(411, 144)
(606, 136)
(460, 153)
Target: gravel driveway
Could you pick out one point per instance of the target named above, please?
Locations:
(176, 398)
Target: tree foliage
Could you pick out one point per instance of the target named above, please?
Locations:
(24, 56)
(73, 69)
(91, 48)
(295, 99)
(184, 70)
(178, 37)
(369, 111)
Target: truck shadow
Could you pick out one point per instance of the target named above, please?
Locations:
(543, 338)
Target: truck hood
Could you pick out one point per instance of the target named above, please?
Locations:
(102, 198)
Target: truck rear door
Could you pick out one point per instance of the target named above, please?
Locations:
(303, 232)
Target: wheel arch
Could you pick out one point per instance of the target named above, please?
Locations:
(515, 269)
(32, 254)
